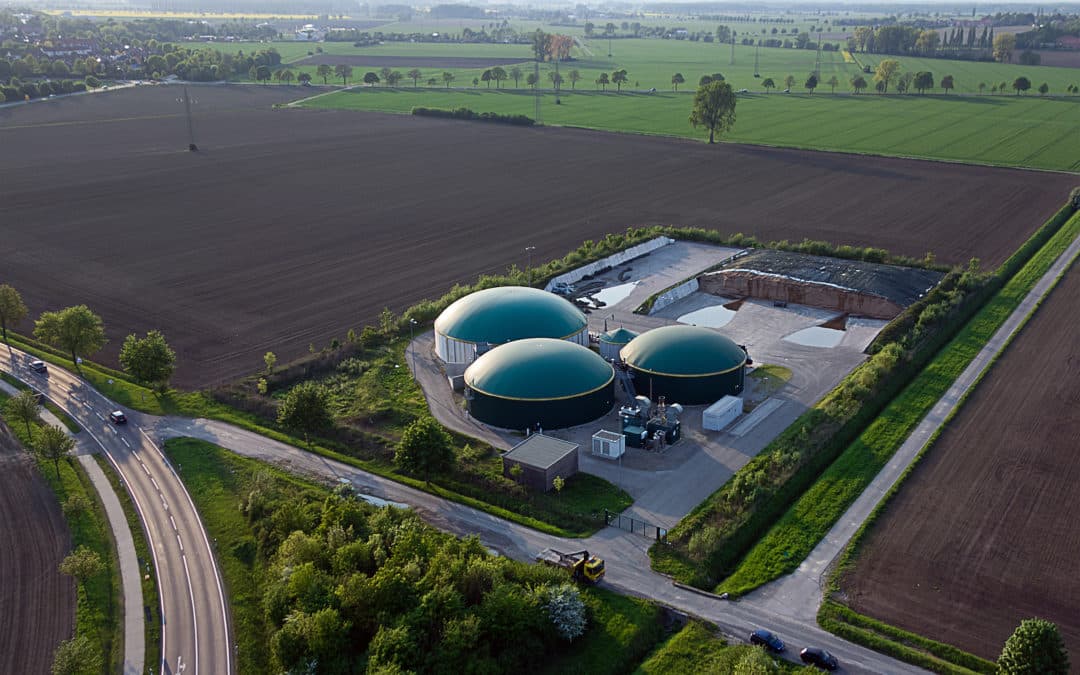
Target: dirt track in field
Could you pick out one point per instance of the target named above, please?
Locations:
(37, 603)
(291, 226)
(405, 61)
(986, 531)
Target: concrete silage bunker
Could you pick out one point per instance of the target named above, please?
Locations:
(691, 365)
(495, 316)
(539, 382)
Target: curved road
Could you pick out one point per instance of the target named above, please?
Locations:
(194, 614)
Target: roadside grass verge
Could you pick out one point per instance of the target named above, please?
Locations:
(840, 619)
(697, 649)
(622, 629)
(147, 575)
(97, 614)
(809, 519)
(901, 644)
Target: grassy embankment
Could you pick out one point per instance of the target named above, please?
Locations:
(624, 629)
(98, 614)
(696, 649)
(791, 539)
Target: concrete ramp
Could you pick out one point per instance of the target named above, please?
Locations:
(767, 407)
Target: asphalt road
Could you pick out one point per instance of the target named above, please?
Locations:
(193, 612)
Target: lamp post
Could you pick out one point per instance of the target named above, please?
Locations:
(412, 363)
(528, 265)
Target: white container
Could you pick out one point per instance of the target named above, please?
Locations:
(722, 413)
(608, 444)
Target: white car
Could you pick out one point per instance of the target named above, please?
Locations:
(744, 91)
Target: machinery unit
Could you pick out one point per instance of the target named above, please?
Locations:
(583, 568)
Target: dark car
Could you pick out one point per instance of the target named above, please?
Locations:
(118, 417)
(38, 366)
(767, 639)
(819, 657)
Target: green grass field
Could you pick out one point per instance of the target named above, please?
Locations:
(1001, 130)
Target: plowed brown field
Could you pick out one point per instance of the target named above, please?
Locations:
(986, 530)
(291, 226)
(37, 603)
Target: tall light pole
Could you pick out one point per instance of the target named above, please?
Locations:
(412, 362)
(528, 265)
(190, 128)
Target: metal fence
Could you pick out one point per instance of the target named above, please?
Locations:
(631, 524)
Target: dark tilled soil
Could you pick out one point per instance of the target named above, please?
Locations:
(986, 531)
(404, 61)
(37, 603)
(291, 226)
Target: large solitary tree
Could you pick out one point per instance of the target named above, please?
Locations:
(324, 71)
(1035, 647)
(76, 330)
(425, 448)
(619, 78)
(12, 309)
(676, 80)
(23, 407)
(714, 108)
(149, 359)
(1021, 84)
(53, 444)
(886, 71)
(344, 72)
(415, 76)
(306, 409)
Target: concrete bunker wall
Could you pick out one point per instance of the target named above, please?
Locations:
(787, 289)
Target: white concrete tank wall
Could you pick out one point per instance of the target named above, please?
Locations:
(722, 413)
(610, 350)
(451, 350)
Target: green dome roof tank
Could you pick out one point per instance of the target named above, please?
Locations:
(683, 351)
(507, 313)
(539, 369)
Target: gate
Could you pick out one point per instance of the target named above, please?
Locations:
(631, 524)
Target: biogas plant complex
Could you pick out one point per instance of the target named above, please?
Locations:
(671, 357)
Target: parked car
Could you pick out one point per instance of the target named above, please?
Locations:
(816, 656)
(743, 91)
(38, 366)
(767, 639)
(118, 417)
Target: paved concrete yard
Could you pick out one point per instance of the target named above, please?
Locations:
(667, 485)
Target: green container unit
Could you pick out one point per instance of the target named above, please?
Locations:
(691, 365)
(539, 382)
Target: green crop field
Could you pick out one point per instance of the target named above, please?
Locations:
(1002, 130)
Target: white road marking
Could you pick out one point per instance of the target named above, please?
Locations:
(144, 468)
(163, 502)
(100, 416)
(173, 523)
(194, 614)
(156, 486)
(178, 541)
(125, 441)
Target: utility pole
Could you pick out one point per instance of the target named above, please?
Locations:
(528, 265)
(190, 128)
(536, 93)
